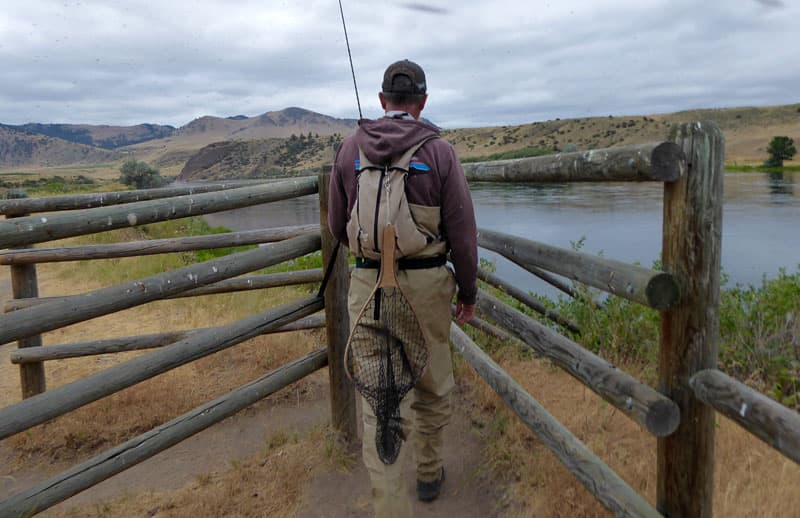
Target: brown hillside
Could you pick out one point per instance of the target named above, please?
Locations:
(18, 148)
(103, 136)
(278, 124)
(747, 132)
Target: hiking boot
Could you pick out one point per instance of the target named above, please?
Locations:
(429, 491)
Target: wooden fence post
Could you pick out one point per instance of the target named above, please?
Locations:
(690, 331)
(24, 285)
(343, 408)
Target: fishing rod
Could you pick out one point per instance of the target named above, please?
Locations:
(350, 57)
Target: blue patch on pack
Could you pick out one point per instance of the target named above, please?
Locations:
(419, 166)
(358, 164)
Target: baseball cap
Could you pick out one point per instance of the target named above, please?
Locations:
(394, 81)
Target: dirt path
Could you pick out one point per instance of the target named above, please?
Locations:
(465, 493)
(333, 494)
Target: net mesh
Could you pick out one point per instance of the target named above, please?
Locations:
(386, 357)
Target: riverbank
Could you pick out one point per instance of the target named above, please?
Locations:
(736, 168)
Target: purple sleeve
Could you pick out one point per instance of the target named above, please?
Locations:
(337, 202)
(458, 220)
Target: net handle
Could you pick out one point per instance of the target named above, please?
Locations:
(388, 277)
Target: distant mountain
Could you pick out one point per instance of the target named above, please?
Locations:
(164, 146)
(21, 148)
(102, 136)
(274, 124)
(298, 140)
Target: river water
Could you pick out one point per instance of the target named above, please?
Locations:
(620, 220)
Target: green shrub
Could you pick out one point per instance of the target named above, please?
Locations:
(140, 175)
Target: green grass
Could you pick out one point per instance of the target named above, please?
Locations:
(761, 169)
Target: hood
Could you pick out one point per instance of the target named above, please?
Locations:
(382, 140)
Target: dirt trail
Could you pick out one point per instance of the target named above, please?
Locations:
(332, 494)
(465, 493)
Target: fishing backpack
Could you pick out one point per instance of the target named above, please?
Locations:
(380, 200)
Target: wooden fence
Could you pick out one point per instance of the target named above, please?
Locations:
(679, 412)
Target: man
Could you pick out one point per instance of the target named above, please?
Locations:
(441, 206)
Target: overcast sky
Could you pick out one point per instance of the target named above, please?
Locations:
(488, 62)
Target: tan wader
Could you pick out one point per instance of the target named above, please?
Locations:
(429, 291)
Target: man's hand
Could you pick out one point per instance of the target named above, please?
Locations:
(464, 312)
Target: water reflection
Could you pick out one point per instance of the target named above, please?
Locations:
(781, 186)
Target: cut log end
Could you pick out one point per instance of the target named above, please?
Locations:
(667, 162)
(663, 291)
(663, 418)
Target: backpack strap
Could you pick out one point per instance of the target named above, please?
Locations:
(401, 163)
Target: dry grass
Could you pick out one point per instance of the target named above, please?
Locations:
(101, 424)
(751, 479)
(269, 484)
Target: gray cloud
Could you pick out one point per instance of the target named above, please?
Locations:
(131, 61)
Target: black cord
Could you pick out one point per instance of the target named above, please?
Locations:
(350, 56)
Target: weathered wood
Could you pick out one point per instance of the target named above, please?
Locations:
(25, 285)
(557, 283)
(486, 327)
(36, 229)
(251, 282)
(136, 343)
(651, 410)
(690, 331)
(62, 312)
(658, 290)
(343, 402)
(153, 246)
(765, 418)
(102, 199)
(526, 299)
(103, 466)
(53, 403)
(599, 479)
(663, 162)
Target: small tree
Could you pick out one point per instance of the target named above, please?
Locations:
(780, 149)
(140, 175)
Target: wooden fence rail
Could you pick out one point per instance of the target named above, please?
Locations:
(651, 410)
(525, 298)
(59, 313)
(663, 162)
(136, 343)
(13, 207)
(101, 467)
(153, 246)
(43, 407)
(247, 283)
(658, 290)
(765, 418)
(598, 478)
(36, 229)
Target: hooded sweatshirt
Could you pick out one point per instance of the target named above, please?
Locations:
(441, 185)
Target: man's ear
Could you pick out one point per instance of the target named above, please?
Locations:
(422, 102)
(383, 100)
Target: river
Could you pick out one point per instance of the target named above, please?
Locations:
(620, 220)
